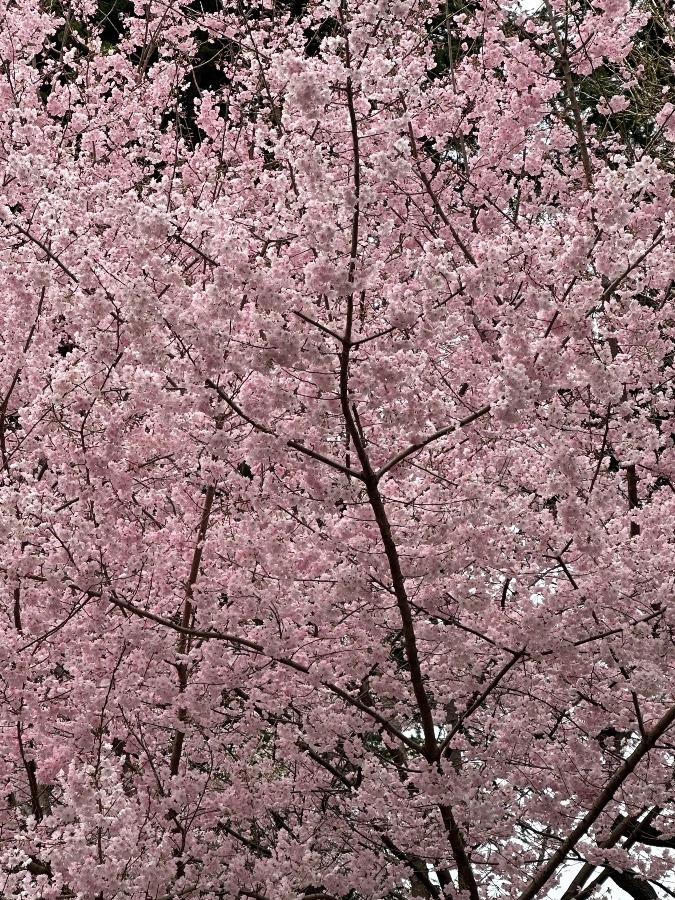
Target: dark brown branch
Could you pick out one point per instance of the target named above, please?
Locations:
(201, 253)
(574, 891)
(183, 644)
(417, 866)
(601, 454)
(30, 767)
(611, 631)
(606, 795)
(46, 251)
(325, 764)
(438, 209)
(372, 337)
(638, 713)
(282, 660)
(402, 601)
(369, 711)
(633, 884)
(17, 610)
(467, 880)
(567, 572)
(369, 478)
(657, 239)
(505, 593)
(256, 848)
(571, 96)
(31, 333)
(551, 323)
(3, 419)
(587, 869)
(318, 325)
(479, 700)
(192, 632)
(413, 448)
(236, 408)
(633, 499)
(296, 445)
(89, 595)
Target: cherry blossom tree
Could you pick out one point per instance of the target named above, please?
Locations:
(337, 493)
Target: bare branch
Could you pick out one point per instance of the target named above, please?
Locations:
(576, 890)
(567, 572)
(336, 773)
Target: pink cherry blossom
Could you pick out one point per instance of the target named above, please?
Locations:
(337, 479)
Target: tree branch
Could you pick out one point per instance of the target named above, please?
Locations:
(46, 251)
(283, 660)
(186, 617)
(438, 209)
(413, 448)
(234, 406)
(611, 631)
(296, 445)
(479, 700)
(571, 96)
(199, 252)
(318, 325)
(605, 796)
(30, 767)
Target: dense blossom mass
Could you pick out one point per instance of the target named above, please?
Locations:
(337, 489)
